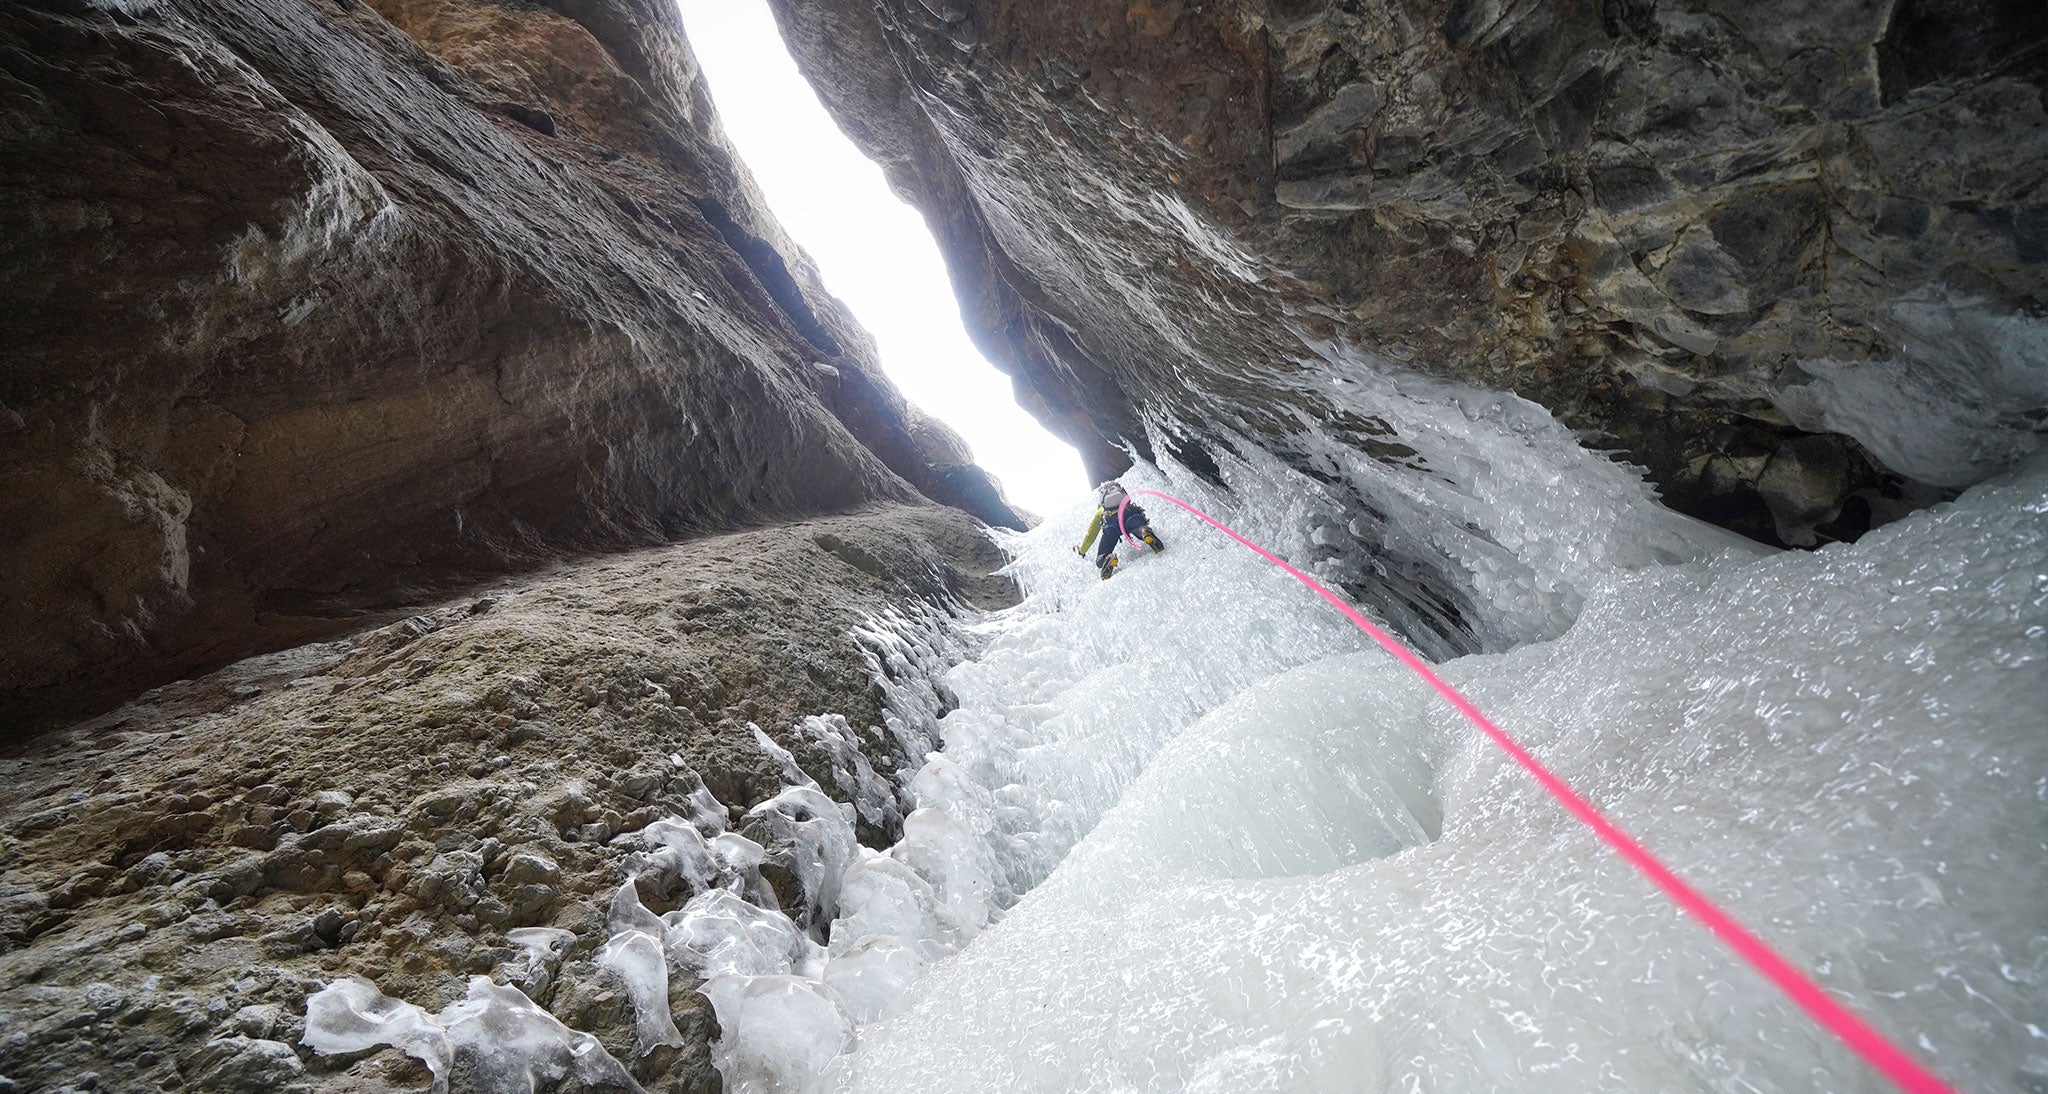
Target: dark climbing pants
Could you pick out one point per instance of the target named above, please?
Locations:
(1134, 519)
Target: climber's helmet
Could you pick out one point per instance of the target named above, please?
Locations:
(1110, 494)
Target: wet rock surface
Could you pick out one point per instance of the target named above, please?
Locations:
(1646, 216)
(184, 871)
(312, 310)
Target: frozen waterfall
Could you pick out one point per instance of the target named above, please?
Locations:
(1186, 831)
(1296, 870)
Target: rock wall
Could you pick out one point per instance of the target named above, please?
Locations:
(183, 871)
(310, 310)
(1654, 217)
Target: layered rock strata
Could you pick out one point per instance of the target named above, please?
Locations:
(184, 871)
(314, 309)
(1654, 217)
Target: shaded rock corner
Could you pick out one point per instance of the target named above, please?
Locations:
(312, 313)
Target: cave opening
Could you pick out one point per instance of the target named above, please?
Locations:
(874, 252)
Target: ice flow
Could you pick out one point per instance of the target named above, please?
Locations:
(1246, 854)
(1186, 831)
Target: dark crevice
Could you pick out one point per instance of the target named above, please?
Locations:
(772, 272)
(1190, 453)
(532, 117)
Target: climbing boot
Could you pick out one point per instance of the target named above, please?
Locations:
(1109, 567)
(1150, 539)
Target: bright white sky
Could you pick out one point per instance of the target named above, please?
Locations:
(874, 251)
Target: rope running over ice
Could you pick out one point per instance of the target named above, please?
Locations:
(1876, 1050)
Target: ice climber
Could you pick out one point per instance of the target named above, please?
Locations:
(1108, 497)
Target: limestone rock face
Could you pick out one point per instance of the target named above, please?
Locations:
(184, 870)
(1647, 215)
(311, 309)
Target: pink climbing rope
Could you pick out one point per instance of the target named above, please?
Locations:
(1887, 1058)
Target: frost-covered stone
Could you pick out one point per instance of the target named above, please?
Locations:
(346, 895)
(852, 775)
(678, 859)
(351, 1015)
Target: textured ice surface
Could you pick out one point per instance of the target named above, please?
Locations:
(881, 898)
(729, 931)
(350, 1015)
(1328, 882)
(707, 813)
(792, 775)
(626, 914)
(1497, 507)
(1965, 397)
(517, 1048)
(642, 965)
(674, 856)
(510, 1045)
(873, 976)
(907, 653)
(780, 1033)
(719, 934)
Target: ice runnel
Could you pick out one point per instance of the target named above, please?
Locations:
(908, 653)
(518, 1048)
(534, 971)
(719, 934)
(780, 1033)
(677, 858)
